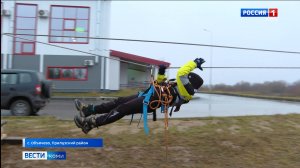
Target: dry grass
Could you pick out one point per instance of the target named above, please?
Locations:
(260, 142)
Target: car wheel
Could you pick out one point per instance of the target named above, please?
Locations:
(20, 108)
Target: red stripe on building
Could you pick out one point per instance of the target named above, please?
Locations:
(137, 58)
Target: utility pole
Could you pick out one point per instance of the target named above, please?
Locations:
(210, 58)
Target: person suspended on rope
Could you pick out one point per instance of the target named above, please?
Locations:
(178, 92)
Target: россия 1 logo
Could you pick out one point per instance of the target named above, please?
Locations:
(259, 12)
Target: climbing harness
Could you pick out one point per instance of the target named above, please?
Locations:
(164, 98)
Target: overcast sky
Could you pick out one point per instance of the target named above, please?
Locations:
(185, 21)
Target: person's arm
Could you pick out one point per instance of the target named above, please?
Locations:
(185, 88)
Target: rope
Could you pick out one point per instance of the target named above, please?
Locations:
(167, 98)
(166, 131)
(164, 99)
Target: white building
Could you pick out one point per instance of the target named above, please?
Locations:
(61, 40)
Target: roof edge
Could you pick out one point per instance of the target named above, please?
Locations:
(137, 58)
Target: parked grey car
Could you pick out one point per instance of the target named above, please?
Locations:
(24, 92)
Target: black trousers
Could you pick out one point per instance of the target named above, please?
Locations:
(117, 109)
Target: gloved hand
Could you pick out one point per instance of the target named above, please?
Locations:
(162, 69)
(199, 62)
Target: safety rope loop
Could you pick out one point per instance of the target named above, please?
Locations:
(163, 94)
(164, 98)
(158, 93)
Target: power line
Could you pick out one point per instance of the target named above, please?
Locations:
(205, 45)
(168, 42)
(230, 67)
(71, 49)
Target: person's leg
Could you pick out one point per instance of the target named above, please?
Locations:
(87, 110)
(107, 107)
(129, 107)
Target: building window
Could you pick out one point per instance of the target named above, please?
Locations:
(67, 73)
(25, 23)
(70, 21)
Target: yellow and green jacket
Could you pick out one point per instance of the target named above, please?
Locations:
(181, 79)
(161, 78)
(181, 75)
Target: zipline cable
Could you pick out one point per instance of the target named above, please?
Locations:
(230, 67)
(71, 49)
(168, 42)
(130, 62)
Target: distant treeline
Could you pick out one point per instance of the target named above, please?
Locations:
(274, 88)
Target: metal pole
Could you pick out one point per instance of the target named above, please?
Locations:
(210, 58)
(210, 69)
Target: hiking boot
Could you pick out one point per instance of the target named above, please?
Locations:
(84, 110)
(85, 123)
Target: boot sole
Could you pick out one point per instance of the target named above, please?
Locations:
(77, 105)
(78, 108)
(76, 122)
(80, 126)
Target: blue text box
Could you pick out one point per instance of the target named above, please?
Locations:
(56, 155)
(62, 142)
(254, 12)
